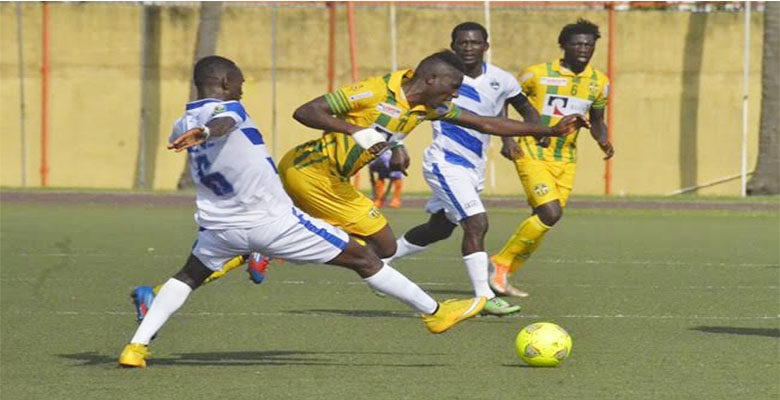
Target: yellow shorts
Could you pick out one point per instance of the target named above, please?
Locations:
(330, 198)
(545, 181)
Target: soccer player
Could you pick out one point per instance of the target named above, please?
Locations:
(379, 171)
(454, 164)
(556, 88)
(374, 114)
(242, 207)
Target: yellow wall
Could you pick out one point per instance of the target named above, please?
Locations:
(95, 86)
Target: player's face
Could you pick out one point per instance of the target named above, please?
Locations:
(444, 88)
(579, 48)
(235, 85)
(470, 46)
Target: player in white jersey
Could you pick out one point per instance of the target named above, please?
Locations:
(242, 207)
(454, 164)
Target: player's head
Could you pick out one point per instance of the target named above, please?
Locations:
(218, 77)
(578, 41)
(441, 74)
(470, 42)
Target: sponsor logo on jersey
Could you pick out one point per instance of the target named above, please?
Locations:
(389, 109)
(494, 84)
(559, 106)
(358, 96)
(541, 189)
(554, 81)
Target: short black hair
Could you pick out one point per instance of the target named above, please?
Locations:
(582, 27)
(210, 67)
(469, 26)
(443, 57)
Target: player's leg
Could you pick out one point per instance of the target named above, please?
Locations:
(417, 239)
(539, 182)
(396, 179)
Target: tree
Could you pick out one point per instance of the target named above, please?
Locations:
(205, 45)
(766, 178)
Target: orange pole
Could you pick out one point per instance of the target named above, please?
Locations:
(331, 44)
(353, 56)
(610, 104)
(45, 98)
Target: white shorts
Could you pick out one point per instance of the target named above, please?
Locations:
(295, 237)
(455, 190)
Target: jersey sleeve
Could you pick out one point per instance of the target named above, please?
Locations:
(603, 96)
(513, 88)
(353, 97)
(527, 81)
(444, 112)
(229, 109)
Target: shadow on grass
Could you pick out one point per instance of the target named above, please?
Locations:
(357, 313)
(255, 358)
(451, 292)
(732, 330)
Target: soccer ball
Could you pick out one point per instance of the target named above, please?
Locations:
(543, 344)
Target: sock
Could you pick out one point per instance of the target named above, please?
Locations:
(170, 298)
(379, 190)
(404, 248)
(232, 264)
(391, 282)
(523, 243)
(477, 270)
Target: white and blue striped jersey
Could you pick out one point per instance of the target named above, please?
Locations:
(236, 179)
(484, 95)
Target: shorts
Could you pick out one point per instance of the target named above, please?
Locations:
(455, 190)
(381, 166)
(331, 198)
(294, 237)
(545, 181)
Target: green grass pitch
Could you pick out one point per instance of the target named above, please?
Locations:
(660, 305)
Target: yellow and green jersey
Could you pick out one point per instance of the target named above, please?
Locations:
(378, 103)
(554, 91)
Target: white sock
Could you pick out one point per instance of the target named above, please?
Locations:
(404, 248)
(391, 282)
(170, 298)
(477, 269)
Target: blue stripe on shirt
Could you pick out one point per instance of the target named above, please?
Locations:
(237, 108)
(469, 91)
(457, 159)
(461, 137)
(447, 190)
(321, 232)
(253, 135)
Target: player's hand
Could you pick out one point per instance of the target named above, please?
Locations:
(544, 142)
(192, 137)
(399, 160)
(569, 124)
(608, 150)
(511, 150)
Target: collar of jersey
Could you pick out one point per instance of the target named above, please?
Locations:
(394, 85)
(556, 66)
(197, 103)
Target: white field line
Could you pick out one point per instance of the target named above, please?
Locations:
(458, 284)
(450, 259)
(395, 314)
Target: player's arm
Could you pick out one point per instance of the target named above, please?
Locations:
(319, 114)
(509, 147)
(399, 160)
(214, 128)
(598, 129)
(508, 127)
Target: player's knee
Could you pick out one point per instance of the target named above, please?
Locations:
(193, 273)
(385, 250)
(550, 215)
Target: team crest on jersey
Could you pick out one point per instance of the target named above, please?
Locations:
(373, 213)
(389, 109)
(541, 189)
(494, 84)
(219, 109)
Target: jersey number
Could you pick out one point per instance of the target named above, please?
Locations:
(216, 181)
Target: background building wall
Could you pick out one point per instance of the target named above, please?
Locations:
(677, 89)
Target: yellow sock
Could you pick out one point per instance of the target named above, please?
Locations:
(234, 263)
(522, 244)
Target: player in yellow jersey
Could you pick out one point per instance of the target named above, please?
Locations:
(363, 119)
(546, 167)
